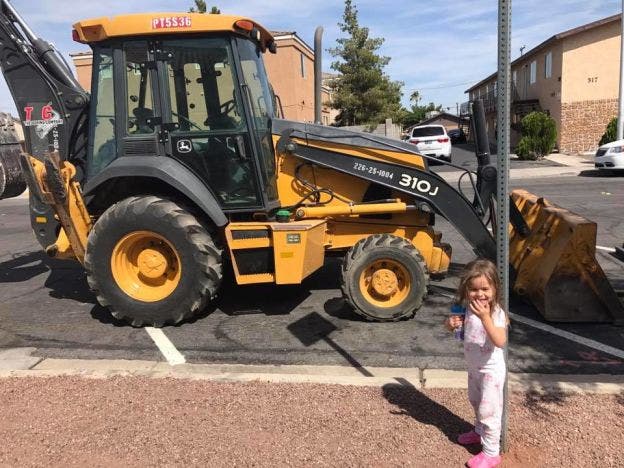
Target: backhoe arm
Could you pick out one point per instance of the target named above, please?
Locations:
(51, 104)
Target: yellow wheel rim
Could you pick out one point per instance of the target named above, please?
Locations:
(146, 266)
(385, 283)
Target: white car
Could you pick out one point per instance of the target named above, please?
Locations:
(431, 140)
(610, 156)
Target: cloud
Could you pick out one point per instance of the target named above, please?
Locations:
(431, 44)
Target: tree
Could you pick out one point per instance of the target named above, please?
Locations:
(539, 135)
(610, 133)
(418, 113)
(201, 8)
(363, 94)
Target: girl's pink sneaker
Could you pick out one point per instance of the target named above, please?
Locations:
(469, 438)
(481, 460)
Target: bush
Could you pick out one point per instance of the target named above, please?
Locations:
(610, 133)
(539, 135)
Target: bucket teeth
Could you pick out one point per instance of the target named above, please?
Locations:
(556, 267)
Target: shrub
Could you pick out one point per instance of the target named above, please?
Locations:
(539, 135)
(610, 133)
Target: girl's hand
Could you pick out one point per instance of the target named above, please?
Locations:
(480, 309)
(453, 322)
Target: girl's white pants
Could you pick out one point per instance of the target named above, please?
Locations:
(485, 392)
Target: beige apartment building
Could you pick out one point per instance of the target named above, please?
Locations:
(290, 70)
(573, 76)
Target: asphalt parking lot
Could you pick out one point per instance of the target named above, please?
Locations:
(47, 307)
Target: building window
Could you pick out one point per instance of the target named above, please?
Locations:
(495, 89)
(548, 65)
(533, 72)
(303, 70)
(515, 77)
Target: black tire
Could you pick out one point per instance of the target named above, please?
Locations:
(194, 259)
(395, 255)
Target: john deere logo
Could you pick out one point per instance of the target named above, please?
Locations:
(184, 146)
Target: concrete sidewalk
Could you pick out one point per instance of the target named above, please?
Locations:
(19, 362)
(570, 165)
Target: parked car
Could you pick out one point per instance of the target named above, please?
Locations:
(457, 135)
(432, 140)
(610, 156)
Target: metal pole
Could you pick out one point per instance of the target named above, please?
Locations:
(502, 152)
(620, 125)
(318, 74)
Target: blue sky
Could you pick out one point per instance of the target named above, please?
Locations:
(438, 48)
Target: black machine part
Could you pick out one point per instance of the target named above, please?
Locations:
(487, 173)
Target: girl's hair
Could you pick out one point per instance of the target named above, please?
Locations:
(476, 268)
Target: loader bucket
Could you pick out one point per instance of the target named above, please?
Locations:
(556, 267)
(12, 183)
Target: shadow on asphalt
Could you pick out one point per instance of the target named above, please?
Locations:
(313, 328)
(67, 279)
(423, 409)
(276, 300)
(23, 267)
(601, 173)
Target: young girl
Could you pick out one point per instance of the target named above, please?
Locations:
(485, 334)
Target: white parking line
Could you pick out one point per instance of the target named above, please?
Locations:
(166, 347)
(606, 249)
(570, 336)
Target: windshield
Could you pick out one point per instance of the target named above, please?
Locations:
(258, 92)
(427, 131)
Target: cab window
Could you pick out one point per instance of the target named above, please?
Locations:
(103, 149)
(139, 95)
(210, 134)
(201, 79)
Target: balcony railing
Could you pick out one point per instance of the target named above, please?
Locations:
(489, 101)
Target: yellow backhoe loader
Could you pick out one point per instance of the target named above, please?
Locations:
(175, 167)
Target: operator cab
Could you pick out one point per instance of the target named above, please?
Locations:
(200, 96)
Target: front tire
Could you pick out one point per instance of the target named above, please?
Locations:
(151, 262)
(384, 278)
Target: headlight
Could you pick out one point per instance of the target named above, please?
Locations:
(616, 149)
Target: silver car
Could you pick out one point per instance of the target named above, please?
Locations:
(610, 156)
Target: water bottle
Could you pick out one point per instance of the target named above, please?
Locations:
(457, 309)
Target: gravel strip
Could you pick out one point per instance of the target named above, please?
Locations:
(123, 421)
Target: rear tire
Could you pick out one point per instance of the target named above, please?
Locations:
(151, 262)
(384, 278)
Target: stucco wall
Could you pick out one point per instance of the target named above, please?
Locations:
(295, 91)
(584, 122)
(591, 64)
(84, 65)
(590, 84)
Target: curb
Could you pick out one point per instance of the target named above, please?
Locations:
(332, 375)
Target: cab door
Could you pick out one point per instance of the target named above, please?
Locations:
(204, 125)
